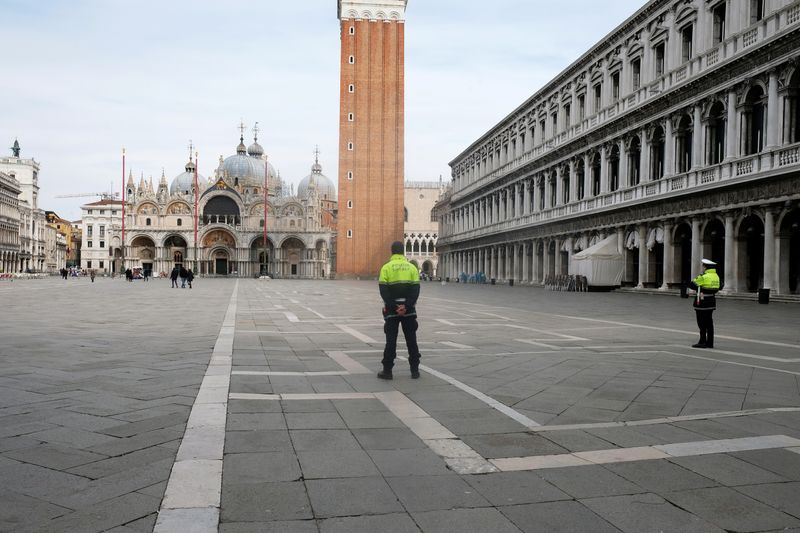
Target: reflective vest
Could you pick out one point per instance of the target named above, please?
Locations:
(399, 284)
(706, 285)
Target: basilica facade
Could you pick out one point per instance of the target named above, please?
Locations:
(215, 225)
(676, 137)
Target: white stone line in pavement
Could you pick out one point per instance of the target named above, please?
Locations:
(305, 374)
(540, 344)
(358, 335)
(488, 400)
(747, 355)
(291, 317)
(670, 330)
(457, 345)
(312, 311)
(348, 363)
(546, 332)
(446, 322)
(667, 419)
(643, 453)
(192, 496)
(303, 396)
(733, 363)
(459, 456)
(269, 332)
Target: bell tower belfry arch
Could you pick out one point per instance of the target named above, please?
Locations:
(371, 134)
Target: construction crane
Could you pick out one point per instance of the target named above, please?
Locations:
(103, 195)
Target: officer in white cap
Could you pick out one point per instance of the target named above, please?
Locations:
(705, 302)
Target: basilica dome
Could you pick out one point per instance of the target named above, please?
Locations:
(183, 182)
(248, 170)
(325, 187)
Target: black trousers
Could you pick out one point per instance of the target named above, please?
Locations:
(391, 327)
(705, 321)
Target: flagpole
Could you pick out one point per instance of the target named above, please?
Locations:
(266, 175)
(122, 269)
(196, 158)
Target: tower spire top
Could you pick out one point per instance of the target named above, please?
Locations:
(15, 148)
(255, 132)
(241, 130)
(191, 148)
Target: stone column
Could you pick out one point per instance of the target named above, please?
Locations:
(730, 129)
(526, 199)
(644, 159)
(536, 275)
(573, 186)
(731, 268)
(696, 248)
(587, 176)
(559, 186)
(557, 257)
(525, 260)
(769, 249)
(773, 122)
(490, 270)
(546, 259)
(603, 170)
(669, 149)
(669, 256)
(643, 256)
(622, 181)
(697, 137)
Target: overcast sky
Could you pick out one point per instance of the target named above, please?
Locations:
(83, 78)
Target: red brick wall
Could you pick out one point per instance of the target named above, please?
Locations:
(377, 133)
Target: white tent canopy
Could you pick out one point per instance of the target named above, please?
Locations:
(601, 263)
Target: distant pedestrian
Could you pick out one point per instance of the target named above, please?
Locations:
(174, 276)
(63, 272)
(183, 274)
(146, 274)
(705, 302)
(189, 277)
(399, 288)
(129, 275)
(91, 275)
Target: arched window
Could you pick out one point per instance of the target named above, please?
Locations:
(147, 222)
(178, 257)
(753, 117)
(657, 154)
(684, 138)
(634, 161)
(416, 247)
(613, 168)
(715, 134)
(408, 247)
(553, 190)
(596, 170)
(565, 183)
(579, 176)
(261, 223)
(180, 222)
(405, 214)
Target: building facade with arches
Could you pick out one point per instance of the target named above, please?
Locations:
(421, 227)
(677, 137)
(230, 213)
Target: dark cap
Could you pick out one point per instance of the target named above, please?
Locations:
(397, 247)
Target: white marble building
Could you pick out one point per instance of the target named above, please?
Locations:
(32, 221)
(676, 137)
(101, 224)
(421, 227)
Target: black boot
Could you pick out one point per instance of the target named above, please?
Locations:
(385, 374)
(414, 373)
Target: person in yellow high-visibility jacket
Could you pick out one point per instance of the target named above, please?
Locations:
(399, 286)
(705, 302)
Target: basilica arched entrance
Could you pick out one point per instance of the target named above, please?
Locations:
(261, 256)
(220, 256)
(143, 250)
(221, 210)
(292, 251)
(175, 250)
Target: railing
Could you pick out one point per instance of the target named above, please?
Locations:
(695, 178)
(793, 14)
(750, 38)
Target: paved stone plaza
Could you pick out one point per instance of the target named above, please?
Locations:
(253, 406)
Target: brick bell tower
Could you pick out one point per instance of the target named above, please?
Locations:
(371, 134)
